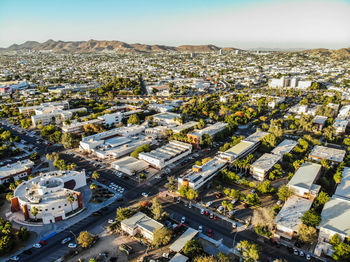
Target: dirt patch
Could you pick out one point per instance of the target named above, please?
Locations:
(109, 244)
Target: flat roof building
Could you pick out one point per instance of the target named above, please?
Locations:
(200, 175)
(167, 154)
(321, 152)
(129, 165)
(209, 130)
(16, 170)
(185, 126)
(245, 147)
(49, 194)
(303, 181)
(261, 167)
(140, 223)
(166, 118)
(289, 217)
(284, 147)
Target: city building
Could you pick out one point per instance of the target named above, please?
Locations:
(28, 110)
(261, 167)
(335, 216)
(167, 154)
(78, 127)
(46, 116)
(166, 118)
(303, 181)
(289, 218)
(320, 122)
(16, 171)
(186, 126)
(284, 147)
(332, 154)
(209, 130)
(244, 148)
(200, 175)
(340, 126)
(141, 224)
(49, 194)
(129, 165)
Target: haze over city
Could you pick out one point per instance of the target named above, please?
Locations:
(241, 24)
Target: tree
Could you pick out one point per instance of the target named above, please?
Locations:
(95, 175)
(222, 257)
(93, 186)
(284, 192)
(171, 185)
(157, 209)
(161, 237)
(205, 259)
(193, 249)
(265, 187)
(311, 218)
(248, 251)
(12, 186)
(140, 149)
(335, 240)
(71, 200)
(252, 199)
(34, 211)
(124, 213)
(134, 120)
(342, 252)
(9, 196)
(322, 199)
(68, 140)
(307, 234)
(206, 140)
(34, 156)
(85, 239)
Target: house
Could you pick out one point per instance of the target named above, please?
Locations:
(140, 223)
(303, 181)
(334, 155)
(289, 218)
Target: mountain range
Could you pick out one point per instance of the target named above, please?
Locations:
(122, 47)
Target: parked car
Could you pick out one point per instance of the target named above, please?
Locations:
(296, 252)
(14, 258)
(202, 211)
(200, 229)
(66, 240)
(308, 257)
(72, 245)
(218, 195)
(144, 194)
(234, 225)
(37, 245)
(220, 209)
(183, 220)
(209, 204)
(210, 233)
(125, 248)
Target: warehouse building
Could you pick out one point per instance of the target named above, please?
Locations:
(129, 165)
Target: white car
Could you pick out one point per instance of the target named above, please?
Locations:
(220, 208)
(144, 194)
(111, 221)
(209, 204)
(308, 257)
(200, 229)
(66, 240)
(183, 220)
(202, 211)
(37, 245)
(14, 258)
(72, 245)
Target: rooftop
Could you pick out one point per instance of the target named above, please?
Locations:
(320, 120)
(305, 176)
(343, 189)
(210, 129)
(266, 162)
(185, 126)
(166, 116)
(180, 243)
(15, 168)
(332, 154)
(284, 147)
(256, 137)
(142, 220)
(292, 212)
(335, 216)
(130, 163)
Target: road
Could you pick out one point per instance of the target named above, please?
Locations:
(222, 229)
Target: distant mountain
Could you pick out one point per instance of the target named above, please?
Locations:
(117, 46)
(335, 53)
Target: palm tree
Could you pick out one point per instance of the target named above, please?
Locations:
(71, 200)
(34, 211)
(93, 186)
(95, 175)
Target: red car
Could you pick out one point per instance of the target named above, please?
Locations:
(210, 233)
(206, 213)
(218, 195)
(43, 243)
(215, 217)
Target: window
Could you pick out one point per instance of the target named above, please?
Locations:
(65, 205)
(53, 208)
(59, 206)
(46, 209)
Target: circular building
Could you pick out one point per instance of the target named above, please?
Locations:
(50, 197)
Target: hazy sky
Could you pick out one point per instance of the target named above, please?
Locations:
(236, 23)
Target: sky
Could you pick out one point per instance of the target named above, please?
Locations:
(225, 23)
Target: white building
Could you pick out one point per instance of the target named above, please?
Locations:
(289, 217)
(31, 109)
(303, 181)
(261, 167)
(332, 154)
(209, 130)
(284, 147)
(166, 118)
(16, 170)
(167, 154)
(340, 126)
(49, 194)
(129, 165)
(46, 116)
(200, 175)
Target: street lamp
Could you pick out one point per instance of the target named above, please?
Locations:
(76, 242)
